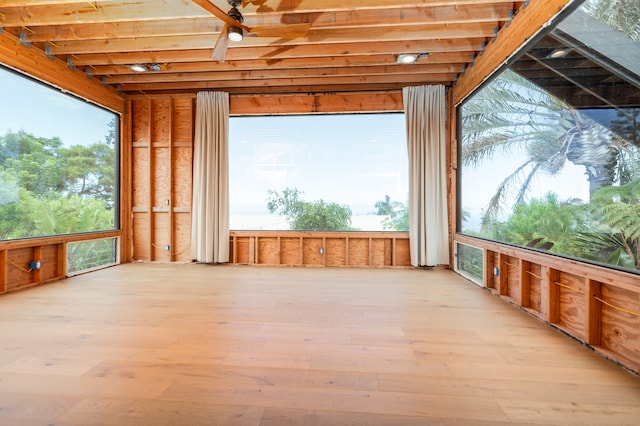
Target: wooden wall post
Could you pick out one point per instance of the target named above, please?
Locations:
(171, 230)
(525, 284)
(126, 168)
(550, 293)
(151, 186)
(593, 329)
(4, 270)
(489, 267)
(61, 267)
(503, 278)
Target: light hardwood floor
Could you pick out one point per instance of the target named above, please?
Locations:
(161, 344)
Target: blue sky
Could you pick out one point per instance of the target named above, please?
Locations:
(352, 159)
(37, 109)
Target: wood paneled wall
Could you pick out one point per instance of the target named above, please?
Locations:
(161, 157)
(17, 255)
(597, 306)
(161, 132)
(341, 249)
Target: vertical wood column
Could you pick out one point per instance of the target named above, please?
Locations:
(503, 278)
(525, 284)
(126, 204)
(171, 230)
(593, 312)
(550, 292)
(488, 271)
(61, 267)
(150, 185)
(4, 270)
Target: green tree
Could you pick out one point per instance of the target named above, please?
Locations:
(398, 219)
(544, 223)
(622, 15)
(513, 114)
(47, 189)
(384, 207)
(613, 229)
(309, 216)
(89, 171)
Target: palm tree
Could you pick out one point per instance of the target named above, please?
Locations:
(622, 15)
(513, 114)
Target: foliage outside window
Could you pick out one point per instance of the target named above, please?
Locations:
(57, 162)
(550, 148)
(318, 173)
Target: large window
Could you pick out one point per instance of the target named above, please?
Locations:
(57, 162)
(318, 172)
(550, 148)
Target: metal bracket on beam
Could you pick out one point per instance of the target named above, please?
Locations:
(47, 51)
(23, 40)
(495, 33)
(1, 30)
(104, 81)
(510, 18)
(70, 64)
(87, 72)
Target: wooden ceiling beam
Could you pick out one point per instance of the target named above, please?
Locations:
(279, 91)
(406, 79)
(293, 63)
(35, 63)
(88, 12)
(363, 71)
(124, 30)
(275, 53)
(526, 24)
(209, 25)
(411, 33)
(19, 3)
(297, 6)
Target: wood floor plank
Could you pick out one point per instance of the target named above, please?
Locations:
(175, 344)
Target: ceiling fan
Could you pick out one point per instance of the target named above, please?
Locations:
(234, 29)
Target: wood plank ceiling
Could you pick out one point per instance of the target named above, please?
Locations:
(349, 45)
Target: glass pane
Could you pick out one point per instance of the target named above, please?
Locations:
(550, 149)
(93, 254)
(57, 162)
(470, 262)
(318, 172)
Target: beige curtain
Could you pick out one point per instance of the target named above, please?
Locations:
(425, 112)
(210, 207)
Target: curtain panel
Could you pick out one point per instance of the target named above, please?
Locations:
(425, 112)
(210, 205)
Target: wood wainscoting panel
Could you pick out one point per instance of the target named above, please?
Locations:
(596, 305)
(341, 249)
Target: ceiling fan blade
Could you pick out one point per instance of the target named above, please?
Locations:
(281, 31)
(219, 13)
(220, 49)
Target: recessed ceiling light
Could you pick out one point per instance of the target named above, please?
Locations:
(138, 68)
(410, 58)
(558, 53)
(407, 59)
